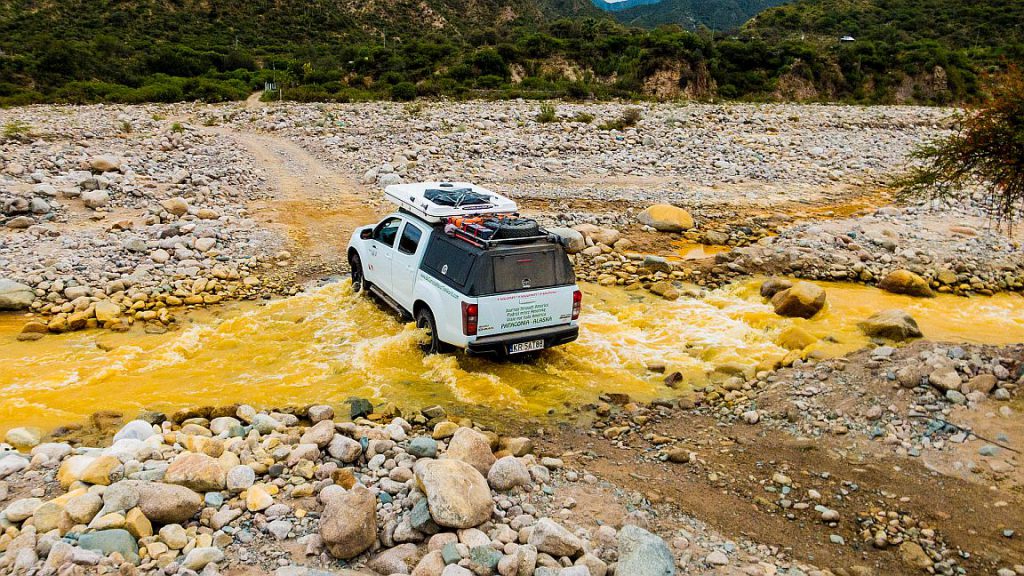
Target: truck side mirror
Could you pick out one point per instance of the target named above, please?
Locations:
(366, 234)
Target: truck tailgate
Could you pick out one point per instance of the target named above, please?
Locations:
(525, 310)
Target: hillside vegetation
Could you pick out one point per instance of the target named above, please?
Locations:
(161, 50)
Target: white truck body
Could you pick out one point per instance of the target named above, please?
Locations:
(506, 299)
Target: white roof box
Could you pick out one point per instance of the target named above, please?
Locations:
(434, 201)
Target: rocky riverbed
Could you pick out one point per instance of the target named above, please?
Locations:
(120, 216)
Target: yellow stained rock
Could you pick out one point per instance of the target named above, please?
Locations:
(444, 430)
(257, 498)
(137, 524)
(100, 470)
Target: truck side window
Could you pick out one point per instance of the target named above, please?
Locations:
(386, 231)
(410, 239)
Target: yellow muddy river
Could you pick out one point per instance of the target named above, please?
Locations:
(326, 345)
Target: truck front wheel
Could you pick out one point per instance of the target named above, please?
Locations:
(359, 282)
(432, 344)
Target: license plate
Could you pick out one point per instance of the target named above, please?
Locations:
(526, 346)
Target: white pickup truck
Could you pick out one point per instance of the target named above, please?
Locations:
(457, 259)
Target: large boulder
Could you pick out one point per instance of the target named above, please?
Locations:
(168, 503)
(892, 324)
(198, 472)
(473, 448)
(802, 300)
(643, 554)
(14, 295)
(773, 286)
(348, 524)
(457, 494)
(906, 282)
(551, 538)
(666, 218)
(573, 240)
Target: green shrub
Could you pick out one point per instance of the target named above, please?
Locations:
(582, 117)
(630, 117)
(547, 113)
(17, 130)
(403, 92)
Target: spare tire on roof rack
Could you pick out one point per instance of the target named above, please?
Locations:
(511, 228)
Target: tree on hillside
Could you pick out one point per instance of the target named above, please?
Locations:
(986, 151)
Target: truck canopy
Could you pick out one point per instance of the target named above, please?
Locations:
(475, 271)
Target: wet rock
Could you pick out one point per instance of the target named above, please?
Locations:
(348, 524)
(892, 324)
(359, 408)
(551, 538)
(666, 218)
(472, 448)
(457, 494)
(795, 338)
(643, 554)
(14, 295)
(665, 289)
(802, 300)
(906, 282)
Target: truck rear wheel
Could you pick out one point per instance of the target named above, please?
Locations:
(434, 345)
(359, 283)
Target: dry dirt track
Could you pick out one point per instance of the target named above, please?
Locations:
(313, 204)
(727, 491)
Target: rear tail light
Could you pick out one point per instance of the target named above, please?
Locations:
(470, 317)
(577, 301)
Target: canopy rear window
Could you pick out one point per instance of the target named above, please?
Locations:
(524, 271)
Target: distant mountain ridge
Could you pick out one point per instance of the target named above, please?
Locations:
(691, 14)
(623, 4)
